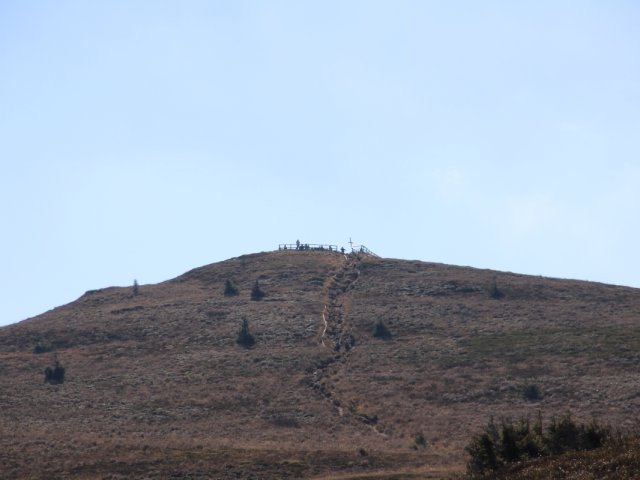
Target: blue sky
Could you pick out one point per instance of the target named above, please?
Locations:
(140, 139)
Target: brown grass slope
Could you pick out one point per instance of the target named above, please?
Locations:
(619, 460)
(157, 387)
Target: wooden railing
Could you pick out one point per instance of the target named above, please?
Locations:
(363, 249)
(325, 247)
(308, 246)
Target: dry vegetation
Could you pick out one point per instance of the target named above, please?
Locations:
(619, 460)
(157, 387)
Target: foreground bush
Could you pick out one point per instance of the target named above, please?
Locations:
(509, 442)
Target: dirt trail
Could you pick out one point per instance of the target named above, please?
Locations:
(337, 335)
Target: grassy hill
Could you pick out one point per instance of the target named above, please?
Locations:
(157, 386)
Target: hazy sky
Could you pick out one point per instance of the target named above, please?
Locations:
(140, 139)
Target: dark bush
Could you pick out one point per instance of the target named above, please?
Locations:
(419, 441)
(381, 331)
(562, 435)
(483, 455)
(531, 392)
(514, 441)
(54, 375)
(566, 435)
(42, 347)
(594, 436)
(285, 421)
(245, 339)
(494, 291)
(230, 290)
(256, 292)
(508, 446)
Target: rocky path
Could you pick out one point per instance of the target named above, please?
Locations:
(338, 337)
(336, 333)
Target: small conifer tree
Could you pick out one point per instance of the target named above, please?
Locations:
(494, 291)
(54, 375)
(256, 292)
(500, 445)
(381, 331)
(230, 290)
(245, 339)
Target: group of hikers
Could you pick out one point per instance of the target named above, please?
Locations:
(305, 246)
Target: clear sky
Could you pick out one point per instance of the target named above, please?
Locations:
(140, 139)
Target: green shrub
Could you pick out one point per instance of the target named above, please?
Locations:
(565, 435)
(230, 290)
(42, 347)
(594, 436)
(54, 375)
(494, 291)
(245, 339)
(256, 292)
(419, 441)
(562, 435)
(381, 331)
(511, 442)
(531, 392)
(483, 453)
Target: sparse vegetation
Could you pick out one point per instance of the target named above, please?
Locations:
(509, 442)
(256, 292)
(230, 289)
(245, 339)
(160, 372)
(381, 331)
(54, 375)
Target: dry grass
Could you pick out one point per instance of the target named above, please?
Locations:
(617, 461)
(156, 386)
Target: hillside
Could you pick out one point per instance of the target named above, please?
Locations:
(156, 386)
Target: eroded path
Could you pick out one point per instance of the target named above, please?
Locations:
(337, 336)
(336, 333)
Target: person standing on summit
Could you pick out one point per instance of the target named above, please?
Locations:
(297, 244)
